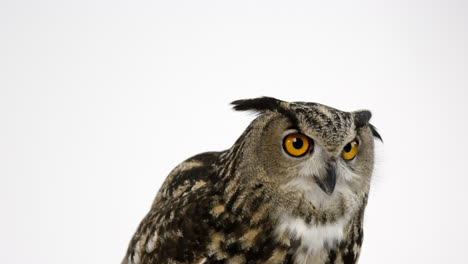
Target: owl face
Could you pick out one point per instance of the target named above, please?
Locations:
(324, 154)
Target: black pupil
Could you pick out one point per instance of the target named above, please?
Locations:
(347, 148)
(297, 143)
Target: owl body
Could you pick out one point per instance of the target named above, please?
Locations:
(284, 193)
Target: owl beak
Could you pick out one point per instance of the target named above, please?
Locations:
(327, 184)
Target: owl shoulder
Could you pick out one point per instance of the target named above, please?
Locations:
(176, 229)
(190, 175)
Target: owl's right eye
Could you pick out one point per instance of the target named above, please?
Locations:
(296, 144)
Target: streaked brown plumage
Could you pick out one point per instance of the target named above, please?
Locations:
(254, 203)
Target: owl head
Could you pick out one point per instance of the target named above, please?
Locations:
(322, 154)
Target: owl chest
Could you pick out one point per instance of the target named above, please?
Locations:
(313, 242)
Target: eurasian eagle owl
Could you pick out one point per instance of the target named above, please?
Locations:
(292, 189)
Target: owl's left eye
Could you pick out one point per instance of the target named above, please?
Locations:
(296, 144)
(350, 150)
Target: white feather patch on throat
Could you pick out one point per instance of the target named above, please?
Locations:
(313, 237)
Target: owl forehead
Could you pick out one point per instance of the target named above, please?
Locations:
(329, 125)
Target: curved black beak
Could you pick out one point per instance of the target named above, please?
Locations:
(327, 183)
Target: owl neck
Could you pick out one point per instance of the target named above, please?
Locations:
(256, 208)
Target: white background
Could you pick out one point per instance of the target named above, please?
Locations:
(99, 100)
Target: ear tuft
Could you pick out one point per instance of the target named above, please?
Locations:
(260, 104)
(361, 118)
(375, 133)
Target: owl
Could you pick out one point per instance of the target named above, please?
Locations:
(291, 190)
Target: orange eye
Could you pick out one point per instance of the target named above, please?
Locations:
(296, 144)
(350, 150)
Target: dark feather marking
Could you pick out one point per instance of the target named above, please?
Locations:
(362, 118)
(232, 199)
(375, 133)
(263, 104)
(331, 257)
(260, 104)
(349, 257)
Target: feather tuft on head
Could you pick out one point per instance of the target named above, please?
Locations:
(260, 104)
(362, 118)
